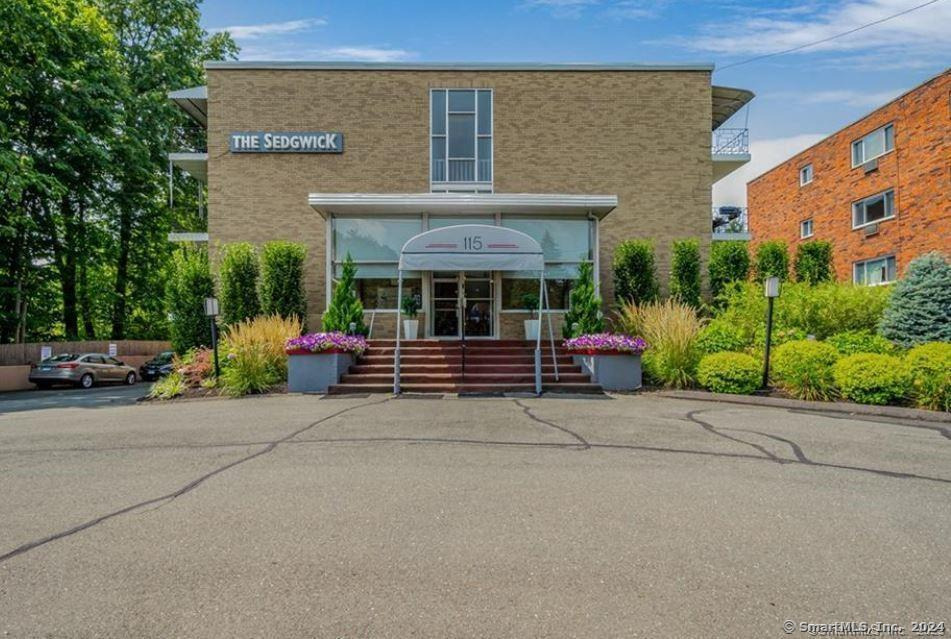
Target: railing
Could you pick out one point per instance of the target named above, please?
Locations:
(730, 219)
(731, 141)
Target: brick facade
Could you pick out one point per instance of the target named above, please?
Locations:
(918, 169)
(641, 135)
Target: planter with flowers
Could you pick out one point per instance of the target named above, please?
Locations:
(316, 361)
(614, 361)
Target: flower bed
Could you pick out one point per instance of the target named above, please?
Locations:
(335, 342)
(605, 344)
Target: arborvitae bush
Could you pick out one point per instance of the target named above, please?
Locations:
(635, 273)
(919, 310)
(772, 260)
(345, 307)
(813, 263)
(584, 306)
(685, 272)
(729, 262)
(282, 280)
(238, 283)
(188, 285)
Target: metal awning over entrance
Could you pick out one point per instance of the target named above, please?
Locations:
(474, 247)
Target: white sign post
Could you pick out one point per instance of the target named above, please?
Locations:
(113, 350)
(46, 352)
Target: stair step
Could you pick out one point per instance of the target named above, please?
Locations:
(340, 389)
(470, 378)
(360, 368)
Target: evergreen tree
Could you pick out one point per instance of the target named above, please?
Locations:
(813, 263)
(729, 262)
(685, 272)
(584, 306)
(772, 260)
(635, 274)
(188, 285)
(282, 280)
(345, 307)
(238, 283)
(919, 309)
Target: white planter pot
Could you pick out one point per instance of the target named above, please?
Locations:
(411, 328)
(316, 372)
(532, 327)
(613, 372)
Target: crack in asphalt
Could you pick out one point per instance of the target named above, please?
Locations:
(270, 446)
(525, 409)
(710, 428)
(796, 448)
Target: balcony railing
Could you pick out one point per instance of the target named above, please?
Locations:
(730, 219)
(731, 142)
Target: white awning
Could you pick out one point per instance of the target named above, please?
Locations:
(472, 247)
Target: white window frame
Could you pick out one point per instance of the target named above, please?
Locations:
(865, 263)
(861, 141)
(890, 215)
(802, 172)
(463, 187)
(802, 229)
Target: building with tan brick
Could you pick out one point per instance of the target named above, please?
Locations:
(879, 189)
(359, 158)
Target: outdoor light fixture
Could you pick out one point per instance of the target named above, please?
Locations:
(353, 328)
(211, 311)
(771, 291)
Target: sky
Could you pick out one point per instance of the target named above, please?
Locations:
(801, 97)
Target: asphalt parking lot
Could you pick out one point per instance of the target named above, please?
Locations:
(626, 516)
(66, 397)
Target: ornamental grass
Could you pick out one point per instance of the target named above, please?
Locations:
(671, 328)
(255, 357)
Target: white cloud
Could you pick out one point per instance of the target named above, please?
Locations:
(366, 54)
(611, 8)
(281, 51)
(765, 154)
(253, 31)
(846, 97)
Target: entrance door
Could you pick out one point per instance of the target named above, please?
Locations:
(446, 304)
(463, 300)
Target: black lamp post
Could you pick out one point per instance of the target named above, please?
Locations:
(211, 311)
(771, 291)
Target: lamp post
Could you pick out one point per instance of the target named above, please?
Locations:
(211, 311)
(771, 291)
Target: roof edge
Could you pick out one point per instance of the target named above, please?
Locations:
(449, 66)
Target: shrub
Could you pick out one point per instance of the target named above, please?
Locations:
(238, 283)
(670, 329)
(930, 366)
(870, 378)
(718, 336)
(860, 341)
(255, 354)
(195, 366)
(282, 280)
(685, 272)
(189, 283)
(345, 307)
(726, 372)
(813, 263)
(804, 369)
(635, 274)
(729, 262)
(584, 306)
(172, 385)
(772, 260)
(920, 306)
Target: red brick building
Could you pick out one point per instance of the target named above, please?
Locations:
(879, 189)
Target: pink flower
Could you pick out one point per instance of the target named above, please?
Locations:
(607, 343)
(324, 342)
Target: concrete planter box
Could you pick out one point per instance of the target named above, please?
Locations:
(613, 371)
(315, 372)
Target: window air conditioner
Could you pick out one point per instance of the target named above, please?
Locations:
(871, 165)
(871, 229)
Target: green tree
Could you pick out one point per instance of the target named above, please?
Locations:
(345, 307)
(635, 273)
(813, 263)
(189, 283)
(584, 305)
(729, 262)
(238, 283)
(772, 260)
(282, 280)
(919, 309)
(685, 272)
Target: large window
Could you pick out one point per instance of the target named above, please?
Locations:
(881, 270)
(461, 140)
(876, 143)
(873, 209)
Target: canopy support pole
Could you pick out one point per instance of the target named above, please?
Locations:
(538, 342)
(551, 334)
(399, 321)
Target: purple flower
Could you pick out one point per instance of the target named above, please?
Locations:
(606, 342)
(323, 342)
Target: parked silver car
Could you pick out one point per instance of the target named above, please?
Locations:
(81, 369)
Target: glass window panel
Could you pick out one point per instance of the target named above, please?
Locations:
(442, 290)
(440, 222)
(373, 238)
(514, 289)
(562, 239)
(485, 159)
(462, 136)
(461, 101)
(485, 112)
(874, 144)
(439, 159)
(478, 289)
(381, 293)
(438, 111)
(889, 138)
(552, 271)
(857, 153)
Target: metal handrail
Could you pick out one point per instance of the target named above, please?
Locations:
(731, 141)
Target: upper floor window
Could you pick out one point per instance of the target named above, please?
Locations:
(805, 228)
(881, 270)
(873, 209)
(805, 175)
(877, 143)
(461, 139)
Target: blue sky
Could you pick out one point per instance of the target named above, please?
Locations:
(801, 97)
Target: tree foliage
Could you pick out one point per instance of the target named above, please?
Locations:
(282, 280)
(635, 273)
(584, 306)
(238, 283)
(772, 260)
(685, 272)
(729, 262)
(919, 310)
(345, 307)
(813, 263)
(189, 283)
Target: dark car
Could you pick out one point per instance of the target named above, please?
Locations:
(81, 369)
(158, 366)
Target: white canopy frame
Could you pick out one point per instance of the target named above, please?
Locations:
(475, 247)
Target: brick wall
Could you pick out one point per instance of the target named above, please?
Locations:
(643, 136)
(919, 170)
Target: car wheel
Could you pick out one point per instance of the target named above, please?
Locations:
(86, 381)
(130, 379)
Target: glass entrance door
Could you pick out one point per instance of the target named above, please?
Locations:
(446, 304)
(463, 300)
(479, 302)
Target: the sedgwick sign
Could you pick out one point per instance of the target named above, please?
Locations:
(286, 142)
